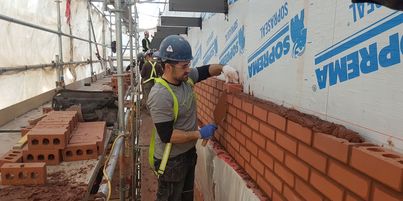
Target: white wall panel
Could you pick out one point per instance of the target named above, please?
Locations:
(334, 59)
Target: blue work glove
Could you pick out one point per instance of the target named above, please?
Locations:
(207, 131)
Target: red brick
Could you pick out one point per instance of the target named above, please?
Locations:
(312, 157)
(236, 123)
(284, 174)
(273, 180)
(266, 159)
(278, 197)
(264, 186)
(260, 113)
(214, 82)
(220, 85)
(50, 157)
(246, 130)
(251, 172)
(383, 194)
(257, 165)
(252, 147)
(239, 159)
(267, 131)
(232, 110)
(335, 147)
(89, 132)
(350, 197)
(23, 174)
(231, 130)
(12, 156)
(290, 195)
(276, 121)
(297, 166)
(233, 88)
(241, 115)
(253, 123)
(39, 138)
(237, 102)
(301, 133)
(244, 153)
(230, 97)
(327, 187)
(241, 138)
(306, 191)
(76, 152)
(286, 142)
(234, 143)
(259, 139)
(369, 160)
(247, 106)
(275, 151)
(352, 180)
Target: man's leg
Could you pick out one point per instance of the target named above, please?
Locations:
(171, 183)
(169, 191)
(188, 191)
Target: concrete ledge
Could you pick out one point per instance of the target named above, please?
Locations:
(9, 113)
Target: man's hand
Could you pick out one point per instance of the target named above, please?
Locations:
(231, 75)
(207, 131)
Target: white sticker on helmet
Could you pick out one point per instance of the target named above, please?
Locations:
(169, 49)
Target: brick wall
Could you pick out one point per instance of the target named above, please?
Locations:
(291, 160)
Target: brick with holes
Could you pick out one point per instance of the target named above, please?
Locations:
(77, 152)
(23, 174)
(47, 138)
(12, 156)
(50, 157)
(90, 132)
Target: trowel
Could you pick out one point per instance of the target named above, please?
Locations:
(220, 112)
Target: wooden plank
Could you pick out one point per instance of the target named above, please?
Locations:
(21, 142)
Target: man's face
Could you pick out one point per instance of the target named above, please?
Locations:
(180, 71)
(146, 35)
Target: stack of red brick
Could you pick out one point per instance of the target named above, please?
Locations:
(126, 82)
(57, 136)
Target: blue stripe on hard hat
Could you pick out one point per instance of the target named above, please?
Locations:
(175, 48)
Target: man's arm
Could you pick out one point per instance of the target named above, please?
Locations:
(180, 136)
(215, 69)
(168, 134)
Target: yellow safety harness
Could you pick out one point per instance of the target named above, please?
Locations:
(168, 146)
(153, 73)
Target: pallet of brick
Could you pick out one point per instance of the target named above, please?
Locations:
(88, 132)
(47, 138)
(50, 156)
(23, 173)
(87, 142)
(12, 156)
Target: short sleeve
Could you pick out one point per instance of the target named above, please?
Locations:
(194, 74)
(160, 104)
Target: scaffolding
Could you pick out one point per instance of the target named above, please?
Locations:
(124, 14)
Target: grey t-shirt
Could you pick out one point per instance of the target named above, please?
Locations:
(160, 102)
